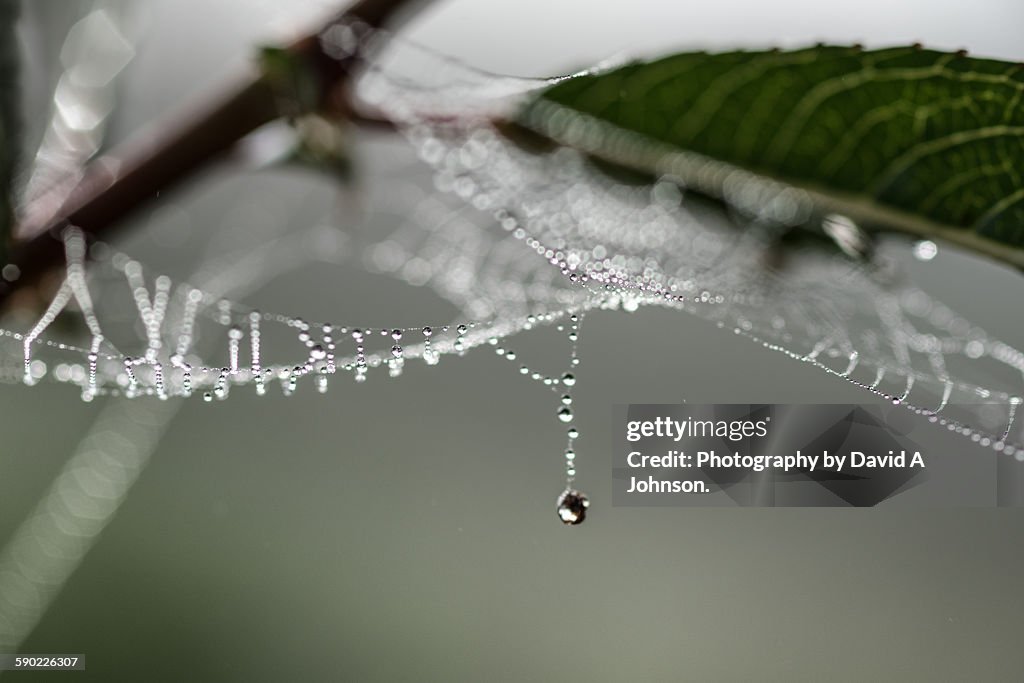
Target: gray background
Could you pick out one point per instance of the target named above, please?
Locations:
(406, 530)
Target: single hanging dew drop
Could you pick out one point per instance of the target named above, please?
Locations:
(317, 352)
(565, 414)
(572, 506)
(566, 399)
(568, 379)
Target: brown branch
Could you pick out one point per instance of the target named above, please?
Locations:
(118, 184)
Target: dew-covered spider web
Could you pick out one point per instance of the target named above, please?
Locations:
(518, 235)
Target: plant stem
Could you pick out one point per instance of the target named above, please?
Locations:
(117, 184)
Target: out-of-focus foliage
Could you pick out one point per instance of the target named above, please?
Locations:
(8, 117)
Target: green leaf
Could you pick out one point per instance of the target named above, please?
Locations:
(8, 120)
(295, 84)
(915, 140)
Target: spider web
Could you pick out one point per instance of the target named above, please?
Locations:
(567, 236)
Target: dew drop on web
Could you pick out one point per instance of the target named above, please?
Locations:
(572, 507)
(925, 250)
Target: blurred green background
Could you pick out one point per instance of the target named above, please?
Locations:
(405, 530)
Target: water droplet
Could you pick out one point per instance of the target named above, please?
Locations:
(572, 506)
(565, 414)
(573, 433)
(925, 250)
(566, 399)
(568, 379)
(427, 331)
(396, 334)
(317, 352)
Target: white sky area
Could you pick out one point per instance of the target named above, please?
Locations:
(554, 37)
(542, 37)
